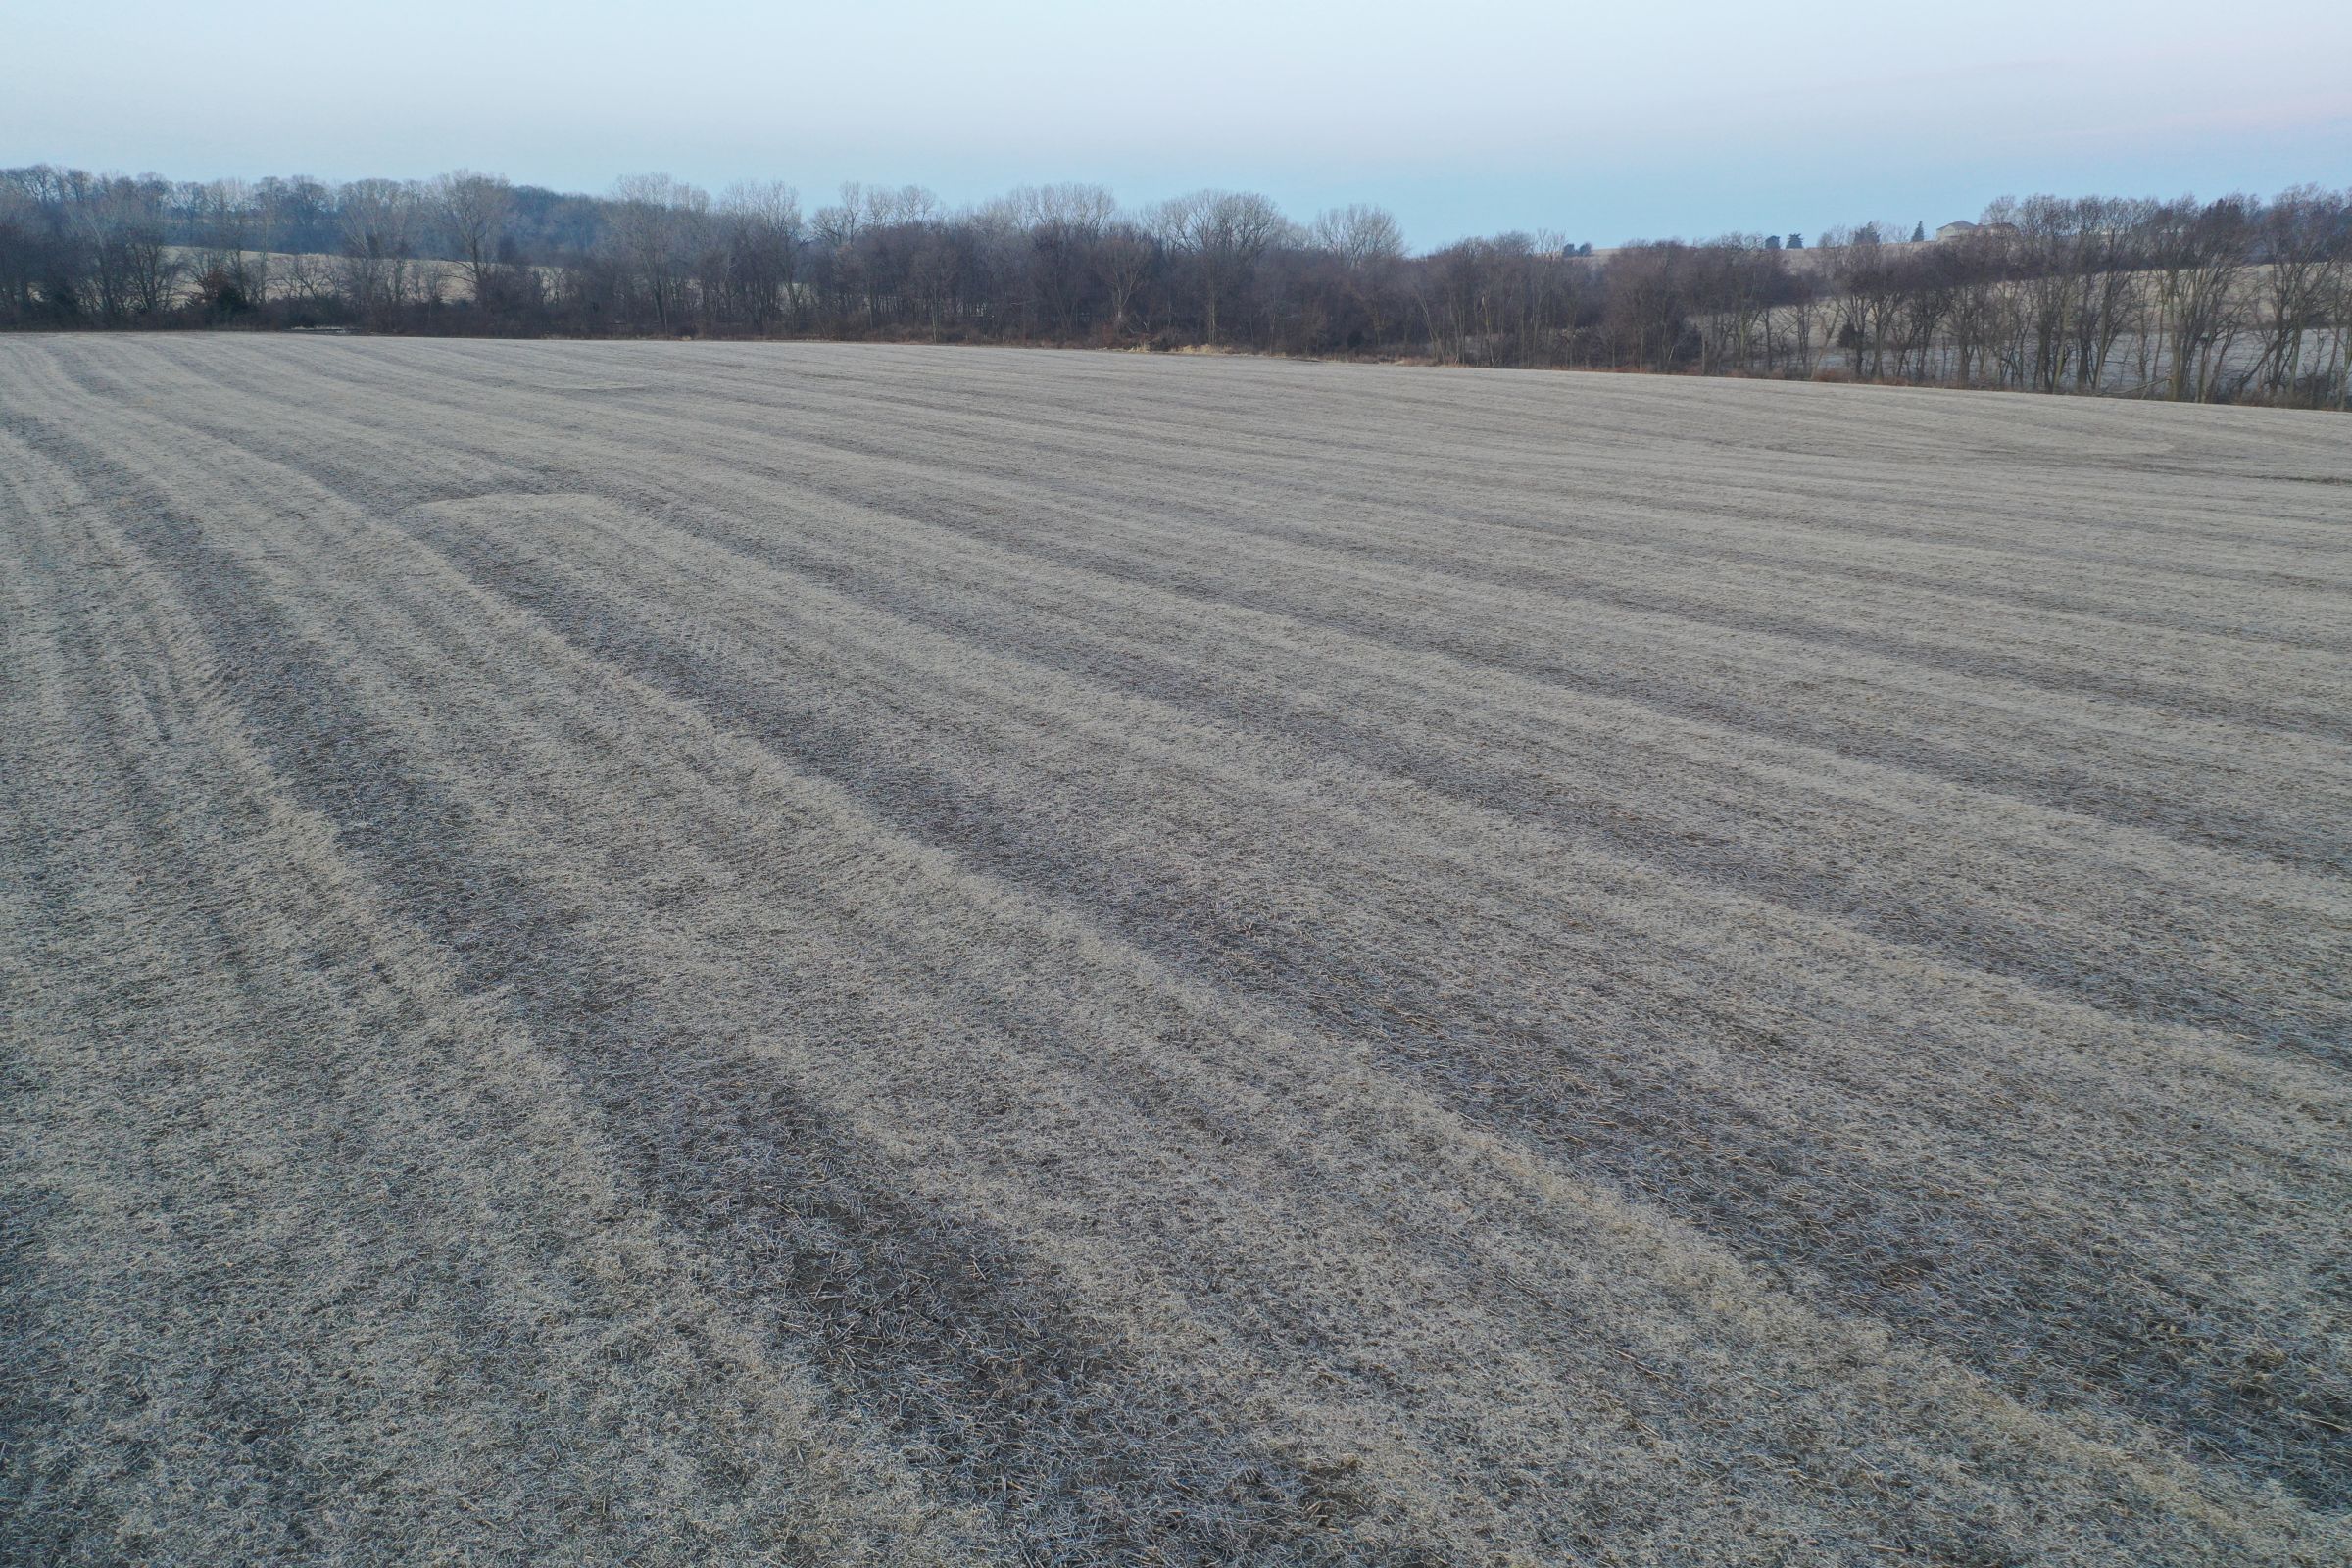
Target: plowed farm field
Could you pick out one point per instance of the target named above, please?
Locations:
(741, 953)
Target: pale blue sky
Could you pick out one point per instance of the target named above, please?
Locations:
(1603, 122)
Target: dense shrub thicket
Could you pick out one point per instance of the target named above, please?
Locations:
(2235, 299)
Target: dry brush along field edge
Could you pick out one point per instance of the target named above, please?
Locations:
(671, 953)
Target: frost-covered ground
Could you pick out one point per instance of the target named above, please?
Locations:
(672, 952)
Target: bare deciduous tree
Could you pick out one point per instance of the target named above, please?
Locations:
(1221, 234)
(1065, 224)
(472, 211)
(761, 225)
(657, 229)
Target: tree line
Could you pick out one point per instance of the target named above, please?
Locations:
(2237, 299)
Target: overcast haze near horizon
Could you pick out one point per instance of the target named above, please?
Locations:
(1684, 120)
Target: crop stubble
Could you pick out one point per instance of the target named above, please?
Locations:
(828, 954)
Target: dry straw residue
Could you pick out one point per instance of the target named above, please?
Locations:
(881, 955)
